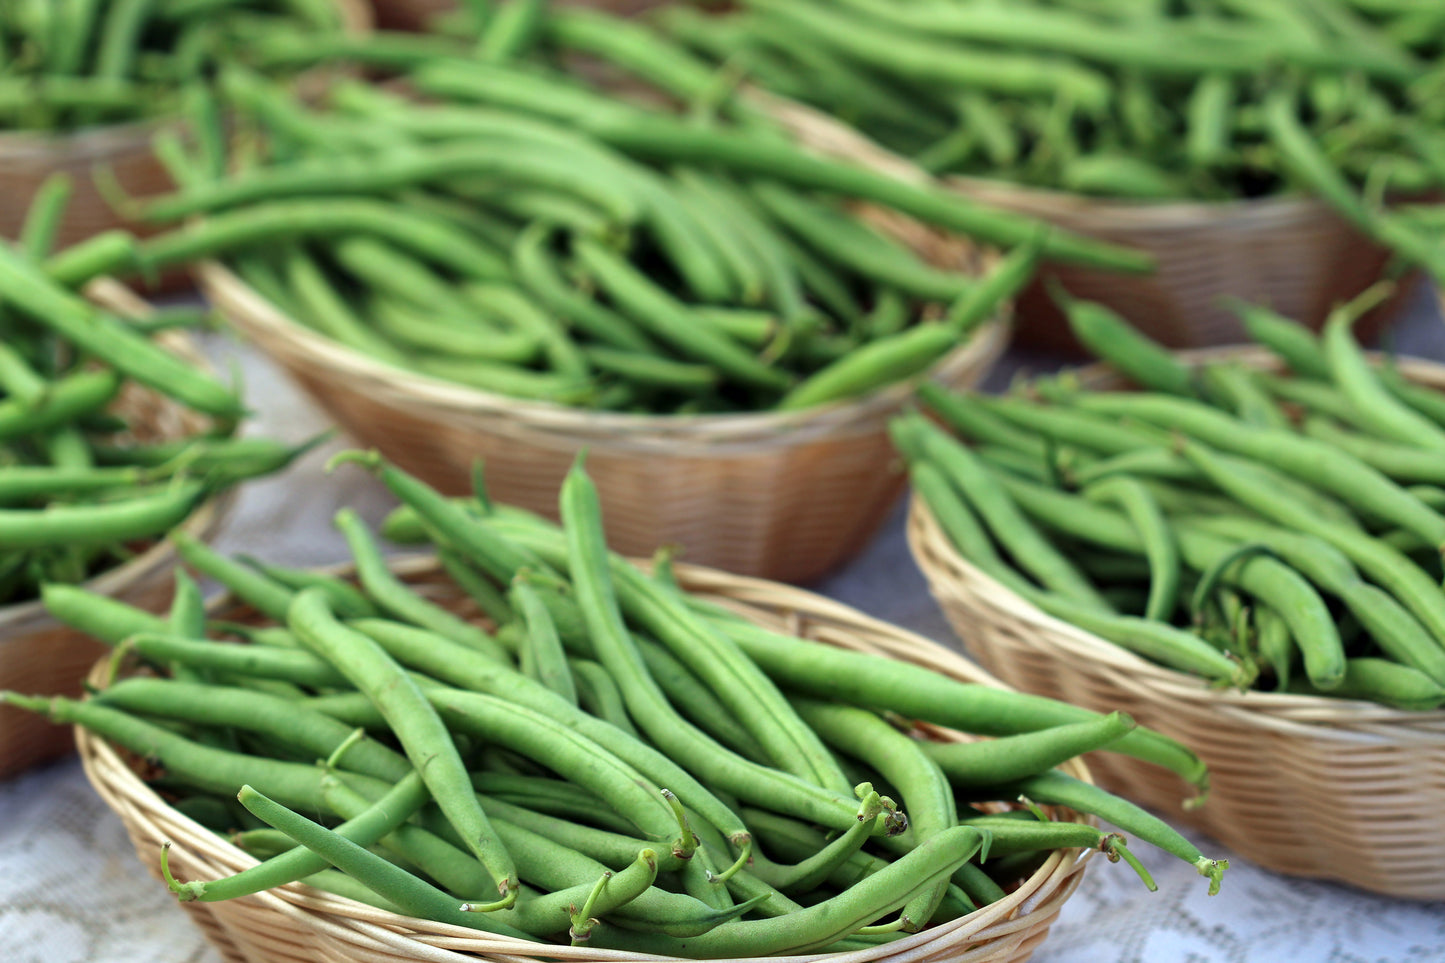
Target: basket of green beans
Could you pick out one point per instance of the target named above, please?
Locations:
(1174, 128)
(564, 753)
(87, 86)
(1244, 554)
(95, 468)
(517, 264)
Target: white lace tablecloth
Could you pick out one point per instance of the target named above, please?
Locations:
(72, 891)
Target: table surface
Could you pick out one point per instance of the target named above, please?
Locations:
(72, 891)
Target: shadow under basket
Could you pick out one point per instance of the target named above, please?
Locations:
(39, 654)
(1301, 785)
(299, 924)
(1293, 254)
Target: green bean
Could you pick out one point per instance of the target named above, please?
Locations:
(269, 222)
(1148, 520)
(1385, 683)
(696, 700)
(541, 654)
(1023, 542)
(1110, 337)
(98, 616)
(255, 588)
(287, 665)
(1058, 789)
(109, 339)
(468, 670)
(392, 596)
(666, 319)
(1401, 463)
(44, 216)
(396, 885)
(562, 355)
(200, 767)
(1389, 567)
(901, 760)
(143, 516)
(537, 271)
(1238, 389)
(592, 578)
(1290, 341)
(819, 925)
(277, 719)
(417, 727)
(1010, 758)
(344, 598)
(1378, 410)
(1317, 464)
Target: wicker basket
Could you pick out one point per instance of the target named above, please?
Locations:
(27, 158)
(1302, 785)
(298, 924)
(1294, 254)
(39, 654)
(786, 496)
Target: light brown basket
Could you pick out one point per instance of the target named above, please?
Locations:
(1302, 785)
(298, 924)
(39, 654)
(1294, 254)
(787, 496)
(27, 158)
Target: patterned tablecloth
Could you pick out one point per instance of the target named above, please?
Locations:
(71, 890)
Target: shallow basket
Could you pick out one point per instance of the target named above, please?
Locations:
(299, 924)
(1294, 254)
(786, 496)
(39, 654)
(27, 158)
(1302, 785)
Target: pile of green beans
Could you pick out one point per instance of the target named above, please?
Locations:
(1283, 532)
(1138, 99)
(67, 64)
(604, 759)
(81, 488)
(516, 229)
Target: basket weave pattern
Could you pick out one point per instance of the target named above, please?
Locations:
(1302, 785)
(298, 924)
(39, 654)
(1293, 254)
(786, 496)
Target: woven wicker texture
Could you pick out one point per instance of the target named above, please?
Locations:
(1294, 254)
(781, 496)
(40, 655)
(298, 924)
(1302, 785)
(27, 158)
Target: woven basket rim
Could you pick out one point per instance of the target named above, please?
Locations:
(748, 427)
(21, 618)
(104, 140)
(122, 789)
(1315, 715)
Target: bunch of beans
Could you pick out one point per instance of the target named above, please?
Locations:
(615, 762)
(80, 487)
(1253, 528)
(521, 231)
(66, 64)
(1137, 99)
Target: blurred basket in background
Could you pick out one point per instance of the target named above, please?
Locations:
(37, 653)
(27, 158)
(1293, 254)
